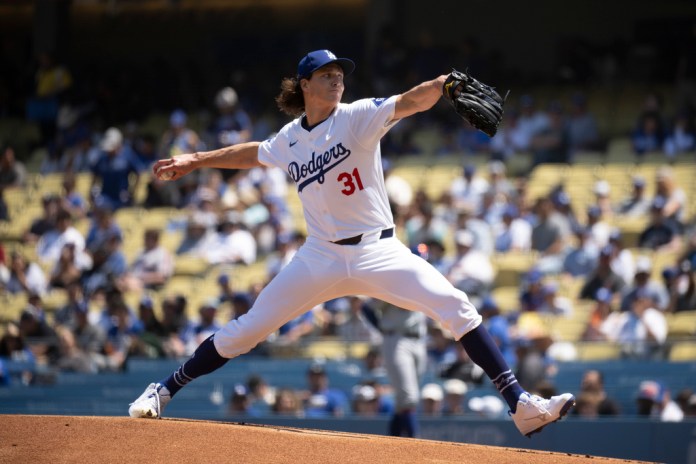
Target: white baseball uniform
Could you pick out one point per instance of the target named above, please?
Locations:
(337, 169)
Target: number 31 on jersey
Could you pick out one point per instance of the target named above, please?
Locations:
(350, 181)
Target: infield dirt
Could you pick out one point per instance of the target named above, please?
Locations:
(79, 439)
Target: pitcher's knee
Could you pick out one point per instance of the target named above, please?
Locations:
(235, 339)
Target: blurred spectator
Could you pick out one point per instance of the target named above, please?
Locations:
(12, 175)
(432, 396)
(287, 244)
(602, 276)
(52, 80)
(121, 336)
(586, 405)
(581, 260)
(353, 325)
(320, 400)
(365, 401)
(72, 200)
(637, 204)
(24, 276)
(206, 325)
(666, 187)
(13, 345)
(235, 244)
(532, 363)
(240, 402)
(71, 357)
(50, 245)
(153, 266)
(50, 206)
(643, 282)
(423, 225)
(462, 367)
(468, 187)
(649, 134)
(532, 121)
(654, 400)
(554, 303)
(563, 206)
(66, 271)
(232, 124)
(550, 143)
(455, 396)
(178, 138)
(532, 291)
(109, 265)
(661, 234)
(472, 271)
(198, 238)
(582, 128)
(513, 233)
(602, 193)
(39, 336)
(480, 229)
(111, 172)
(549, 237)
(300, 327)
(103, 225)
(261, 394)
(593, 383)
(603, 302)
(488, 406)
(511, 137)
(67, 314)
(287, 403)
(682, 290)
(469, 140)
(641, 332)
(498, 182)
(623, 262)
(600, 230)
(681, 137)
(499, 328)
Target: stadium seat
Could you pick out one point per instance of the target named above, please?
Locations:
(683, 351)
(598, 351)
(681, 324)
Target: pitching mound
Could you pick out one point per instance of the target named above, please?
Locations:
(69, 439)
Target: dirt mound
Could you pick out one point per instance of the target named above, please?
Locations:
(70, 439)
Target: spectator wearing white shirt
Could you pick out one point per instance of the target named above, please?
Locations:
(153, 266)
(235, 244)
(472, 271)
(641, 332)
(51, 243)
(469, 187)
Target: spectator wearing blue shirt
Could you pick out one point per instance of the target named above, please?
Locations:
(499, 328)
(582, 259)
(112, 169)
(320, 400)
(233, 124)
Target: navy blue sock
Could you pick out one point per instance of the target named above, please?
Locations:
(203, 361)
(483, 351)
(403, 424)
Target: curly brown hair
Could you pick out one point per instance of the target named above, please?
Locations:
(290, 100)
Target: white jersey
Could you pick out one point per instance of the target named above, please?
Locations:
(337, 166)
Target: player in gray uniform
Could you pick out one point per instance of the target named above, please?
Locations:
(405, 358)
(332, 153)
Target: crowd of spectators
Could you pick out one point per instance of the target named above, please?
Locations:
(231, 218)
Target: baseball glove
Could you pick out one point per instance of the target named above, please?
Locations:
(479, 104)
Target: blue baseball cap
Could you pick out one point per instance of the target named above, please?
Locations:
(318, 58)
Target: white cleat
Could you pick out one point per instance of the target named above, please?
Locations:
(150, 404)
(534, 412)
